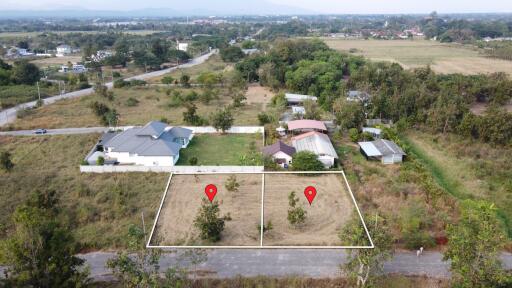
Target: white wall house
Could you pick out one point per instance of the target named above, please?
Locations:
(63, 50)
(281, 153)
(384, 150)
(155, 144)
(182, 46)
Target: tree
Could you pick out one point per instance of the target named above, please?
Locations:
(222, 120)
(306, 161)
(231, 54)
(141, 270)
(167, 80)
(5, 161)
(364, 265)
(25, 73)
(296, 215)
(190, 115)
(231, 184)
(312, 110)
(208, 221)
(348, 114)
(40, 252)
(474, 245)
(185, 80)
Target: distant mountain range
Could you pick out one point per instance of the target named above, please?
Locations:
(183, 8)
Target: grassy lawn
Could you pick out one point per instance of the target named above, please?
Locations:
(444, 58)
(468, 170)
(217, 149)
(153, 105)
(99, 207)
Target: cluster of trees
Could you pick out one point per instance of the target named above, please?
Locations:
(22, 72)
(419, 96)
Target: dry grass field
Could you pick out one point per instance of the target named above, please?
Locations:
(54, 61)
(153, 105)
(257, 94)
(444, 58)
(98, 207)
(175, 225)
(329, 212)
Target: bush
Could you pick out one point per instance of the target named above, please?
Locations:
(100, 161)
(167, 80)
(193, 161)
(296, 215)
(131, 102)
(306, 161)
(353, 134)
(208, 221)
(264, 118)
(231, 184)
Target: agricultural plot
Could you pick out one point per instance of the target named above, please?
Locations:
(261, 198)
(443, 58)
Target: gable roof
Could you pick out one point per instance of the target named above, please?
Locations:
(306, 124)
(381, 147)
(151, 140)
(153, 128)
(278, 147)
(315, 142)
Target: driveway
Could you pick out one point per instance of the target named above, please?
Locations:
(9, 115)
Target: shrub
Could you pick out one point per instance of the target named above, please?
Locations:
(296, 215)
(353, 134)
(231, 184)
(5, 161)
(306, 161)
(193, 161)
(208, 221)
(131, 102)
(167, 80)
(100, 161)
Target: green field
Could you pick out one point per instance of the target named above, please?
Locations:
(444, 58)
(99, 207)
(217, 149)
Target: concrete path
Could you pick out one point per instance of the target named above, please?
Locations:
(61, 131)
(9, 115)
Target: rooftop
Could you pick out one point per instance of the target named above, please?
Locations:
(306, 124)
(381, 147)
(315, 142)
(299, 97)
(278, 147)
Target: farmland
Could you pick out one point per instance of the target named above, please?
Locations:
(443, 58)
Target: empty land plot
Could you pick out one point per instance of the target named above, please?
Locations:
(175, 226)
(444, 58)
(330, 211)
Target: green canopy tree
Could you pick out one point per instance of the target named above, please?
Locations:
(222, 120)
(474, 245)
(306, 161)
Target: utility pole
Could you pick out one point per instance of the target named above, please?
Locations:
(144, 227)
(38, 91)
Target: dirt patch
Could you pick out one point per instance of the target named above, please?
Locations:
(479, 108)
(176, 223)
(57, 60)
(257, 94)
(330, 211)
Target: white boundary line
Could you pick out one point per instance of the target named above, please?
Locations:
(159, 209)
(261, 246)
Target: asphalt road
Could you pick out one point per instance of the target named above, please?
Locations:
(62, 131)
(312, 263)
(9, 115)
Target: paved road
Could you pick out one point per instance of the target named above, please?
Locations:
(285, 262)
(9, 115)
(62, 131)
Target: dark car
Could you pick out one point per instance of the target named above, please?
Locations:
(40, 131)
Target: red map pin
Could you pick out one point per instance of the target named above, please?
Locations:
(210, 190)
(310, 193)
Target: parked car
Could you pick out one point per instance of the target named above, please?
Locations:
(40, 131)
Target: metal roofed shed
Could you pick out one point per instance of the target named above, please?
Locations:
(317, 143)
(375, 132)
(294, 99)
(384, 150)
(306, 125)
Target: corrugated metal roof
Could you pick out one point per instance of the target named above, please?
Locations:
(315, 142)
(306, 124)
(369, 149)
(380, 147)
(299, 97)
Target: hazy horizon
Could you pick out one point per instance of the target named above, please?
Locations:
(271, 6)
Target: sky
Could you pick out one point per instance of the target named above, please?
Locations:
(315, 6)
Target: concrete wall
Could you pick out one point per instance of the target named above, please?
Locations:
(169, 169)
(233, 130)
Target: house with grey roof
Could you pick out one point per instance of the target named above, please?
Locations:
(384, 150)
(360, 96)
(155, 144)
(280, 152)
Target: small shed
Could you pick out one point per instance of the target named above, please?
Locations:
(375, 132)
(384, 150)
